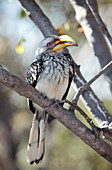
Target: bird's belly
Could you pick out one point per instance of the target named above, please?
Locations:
(53, 89)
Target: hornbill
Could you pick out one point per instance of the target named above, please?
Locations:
(51, 74)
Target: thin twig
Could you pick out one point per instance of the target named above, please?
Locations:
(63, 115)
(87, 85)
(95, 129)
(101, 23)
(100, 113)
(85, 18)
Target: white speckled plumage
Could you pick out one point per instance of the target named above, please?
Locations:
(51, 74)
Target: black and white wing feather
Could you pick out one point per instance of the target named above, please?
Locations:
(34, 72)
(36, 146)
(58, 73)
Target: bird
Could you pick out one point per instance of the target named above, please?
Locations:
(51, 74)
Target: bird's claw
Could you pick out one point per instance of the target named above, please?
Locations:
(97, 132)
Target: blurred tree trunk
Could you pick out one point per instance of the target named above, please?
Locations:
(94, 35)
(7, 138)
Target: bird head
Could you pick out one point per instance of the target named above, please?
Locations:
(55, 43)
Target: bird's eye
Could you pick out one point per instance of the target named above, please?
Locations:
(49, 44)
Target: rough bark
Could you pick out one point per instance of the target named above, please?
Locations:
(94, 9)
(94, 35)
(93, 104)
(67, 118)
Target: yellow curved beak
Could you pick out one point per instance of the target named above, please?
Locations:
(64, 41)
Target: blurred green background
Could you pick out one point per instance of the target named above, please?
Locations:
(19, 38)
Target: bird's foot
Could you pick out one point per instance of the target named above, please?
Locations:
(55, 103)
(97, 132)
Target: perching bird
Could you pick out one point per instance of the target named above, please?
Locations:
(51, 74)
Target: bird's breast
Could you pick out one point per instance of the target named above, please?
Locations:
(53, 81)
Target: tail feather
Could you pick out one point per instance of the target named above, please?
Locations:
(36, 147)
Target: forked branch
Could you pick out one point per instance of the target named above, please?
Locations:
(87, 85)
(66, 117)
(93, 104)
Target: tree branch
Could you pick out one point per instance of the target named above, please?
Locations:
(87, 85)
(94, 35)
(93, 104)
(97, 131)
(67, 118)
(104, 29)
(38, 17)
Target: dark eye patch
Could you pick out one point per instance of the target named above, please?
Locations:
(49, 44)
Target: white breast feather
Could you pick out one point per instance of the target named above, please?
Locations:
(53, 85)
(53, 82)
